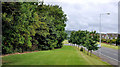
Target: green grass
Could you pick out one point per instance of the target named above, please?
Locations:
(109, 46)
(68, 55)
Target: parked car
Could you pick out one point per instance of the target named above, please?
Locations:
(98, 45)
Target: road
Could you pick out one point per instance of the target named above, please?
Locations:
(108, 54)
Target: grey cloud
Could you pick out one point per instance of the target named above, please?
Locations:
(85, 15)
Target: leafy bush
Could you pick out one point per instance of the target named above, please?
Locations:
(103, 40)
(7, 50)
(113, 41)
(108, 40)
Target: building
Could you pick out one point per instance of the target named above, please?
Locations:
(109, 36)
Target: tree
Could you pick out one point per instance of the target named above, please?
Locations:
(85, 38)
(81, 38)
(55, 19)
(91, 41)
(118, 40)
(72, 38)
(28, 26)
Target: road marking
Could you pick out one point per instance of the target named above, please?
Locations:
(110, 57)
(111, 50)
(108, 52)
(107, 56)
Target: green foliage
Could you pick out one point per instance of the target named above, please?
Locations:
(112, 41)
(108, 40)
(85, 38)
(91, 41)
(103, 40)
(118, 40)
(28, 26)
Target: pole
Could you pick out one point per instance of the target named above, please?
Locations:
(100, 27)
(100, 31)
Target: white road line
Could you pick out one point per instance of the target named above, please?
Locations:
(110, 53)
(109, 49)
(110, 57)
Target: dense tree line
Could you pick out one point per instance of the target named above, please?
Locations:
(85, 38)
(28, 26)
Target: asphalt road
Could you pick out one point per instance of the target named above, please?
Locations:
(109, 55)
(109, 52)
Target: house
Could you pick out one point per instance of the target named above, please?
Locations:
(109, 36)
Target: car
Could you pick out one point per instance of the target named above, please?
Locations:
(98, 45)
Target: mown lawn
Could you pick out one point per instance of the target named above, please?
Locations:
(68, 55)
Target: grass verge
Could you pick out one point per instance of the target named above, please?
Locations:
(109, 46)
(67, 55)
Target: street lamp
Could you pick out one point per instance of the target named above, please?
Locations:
(100, 24)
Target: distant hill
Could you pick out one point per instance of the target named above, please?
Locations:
(69, 32)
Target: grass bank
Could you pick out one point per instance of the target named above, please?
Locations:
(67, 55)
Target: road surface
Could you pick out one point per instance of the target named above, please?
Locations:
(108, 54)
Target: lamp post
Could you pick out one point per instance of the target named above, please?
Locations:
(100, 24)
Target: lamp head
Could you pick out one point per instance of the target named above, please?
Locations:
(108, 13)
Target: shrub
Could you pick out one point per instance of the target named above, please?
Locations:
(103, 40)
(108, 40)
(81, 49)
(114, 41)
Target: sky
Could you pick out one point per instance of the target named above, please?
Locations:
(85, 14)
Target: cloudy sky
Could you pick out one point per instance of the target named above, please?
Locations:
(85, 14)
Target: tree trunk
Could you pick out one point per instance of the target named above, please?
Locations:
(88, 52)
(115, 44)
(84, 50)
(22, 49)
